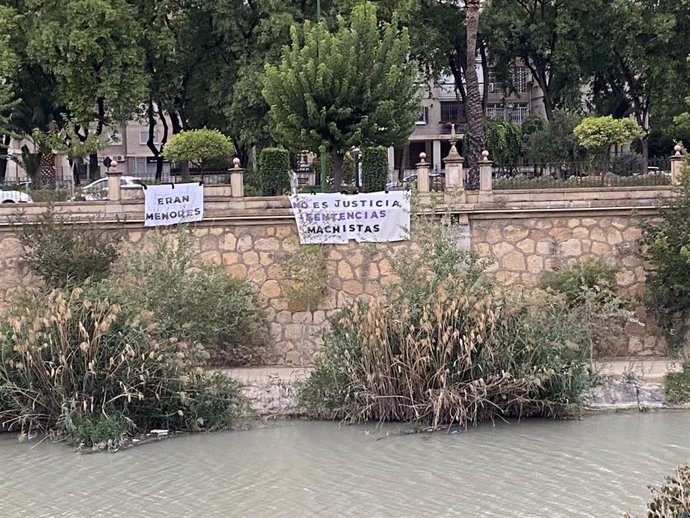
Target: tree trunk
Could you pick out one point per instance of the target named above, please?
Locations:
(338, 159)
(46, 171)
(474, 102)
(94, 168)
(5, 144)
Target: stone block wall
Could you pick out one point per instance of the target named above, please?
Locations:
(523, 244)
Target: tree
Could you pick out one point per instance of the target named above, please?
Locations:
(352, 87)
(475, 114)
(503, 141)
(598, 134)
(552, 38)
(92, 49)
(8, 66)
(200, 147)
(552, 144)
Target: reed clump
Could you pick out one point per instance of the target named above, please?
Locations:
(82, 367)
(449, 347)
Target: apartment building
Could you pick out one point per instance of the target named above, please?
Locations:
(441, 109)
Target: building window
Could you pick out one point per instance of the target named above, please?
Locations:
(451, 111)
(144, 137)
(114, 138)
(519, 113)
(423, 116)
(518, 77)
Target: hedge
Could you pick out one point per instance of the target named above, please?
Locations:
(374, 168)
(275, 171)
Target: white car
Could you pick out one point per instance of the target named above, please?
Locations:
(14, 197)
(98, 190)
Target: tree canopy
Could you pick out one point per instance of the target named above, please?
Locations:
(334, 90)
(199, 147)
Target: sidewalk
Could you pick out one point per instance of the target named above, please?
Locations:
(652, 370)
(645, 369)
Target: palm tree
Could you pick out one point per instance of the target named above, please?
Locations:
(474, 102)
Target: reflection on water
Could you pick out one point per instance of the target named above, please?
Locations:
(598, 467)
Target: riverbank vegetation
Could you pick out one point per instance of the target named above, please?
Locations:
(449, 346)
(114, 348)
(671, 500)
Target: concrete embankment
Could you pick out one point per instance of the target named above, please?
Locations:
(623, 385)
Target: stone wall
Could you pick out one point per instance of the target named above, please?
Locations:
(524, 244)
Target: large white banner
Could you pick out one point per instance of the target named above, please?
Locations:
(337, 218)
(173, 204)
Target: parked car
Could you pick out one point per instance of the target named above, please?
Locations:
(98, 190)
(14, 196)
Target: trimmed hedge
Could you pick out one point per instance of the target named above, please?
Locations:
(374, 168)
(275, 171)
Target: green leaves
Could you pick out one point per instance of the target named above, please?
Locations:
(198, 147)
(600, 133)
(335, 90)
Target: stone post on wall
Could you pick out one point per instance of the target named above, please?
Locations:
(236, 179)
(455, 176)
(114, 186)
(485, 173)
(677, 165)
(423, 184)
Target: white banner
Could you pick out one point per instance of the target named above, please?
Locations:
(337, 218)
(173, 204)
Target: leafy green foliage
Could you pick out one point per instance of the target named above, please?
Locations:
(76, 364)
(575, 279)
(352, 87)
(677, 386)
(374, 168)
(598, 134)
(444, 331)
(667, 252)
(672, 500)
(306, 274)
(200, 147)
(504, 142)
(64, 253)
(275, 171)
(552, 142)
(192, 301)
(628, 164)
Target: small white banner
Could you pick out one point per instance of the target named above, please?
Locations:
(337, 218)
(173, 204)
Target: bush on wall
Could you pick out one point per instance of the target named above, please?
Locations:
(374, 168)
(275, 171)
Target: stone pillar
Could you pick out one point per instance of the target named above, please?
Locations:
(436, 154)
(423, 184)
(114, 187)
(236, 179)
(455, 176)
(677, 165)
(485, 173)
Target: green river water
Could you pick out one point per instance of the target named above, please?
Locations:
(597, 467)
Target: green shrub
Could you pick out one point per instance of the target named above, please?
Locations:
(306, 274)
(449, 347)
(76, 364)
(588, 274)
(671, 500)
(275, 171)
(374, 168)
(195, 302)
(66, 254)
(48, 195)
(667, 253)
(628, 164)
(677, 386)
(590, 291)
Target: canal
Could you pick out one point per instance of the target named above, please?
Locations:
(597, 467)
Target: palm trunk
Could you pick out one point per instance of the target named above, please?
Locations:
(474, 102)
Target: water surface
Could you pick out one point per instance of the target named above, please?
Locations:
(598, 467)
